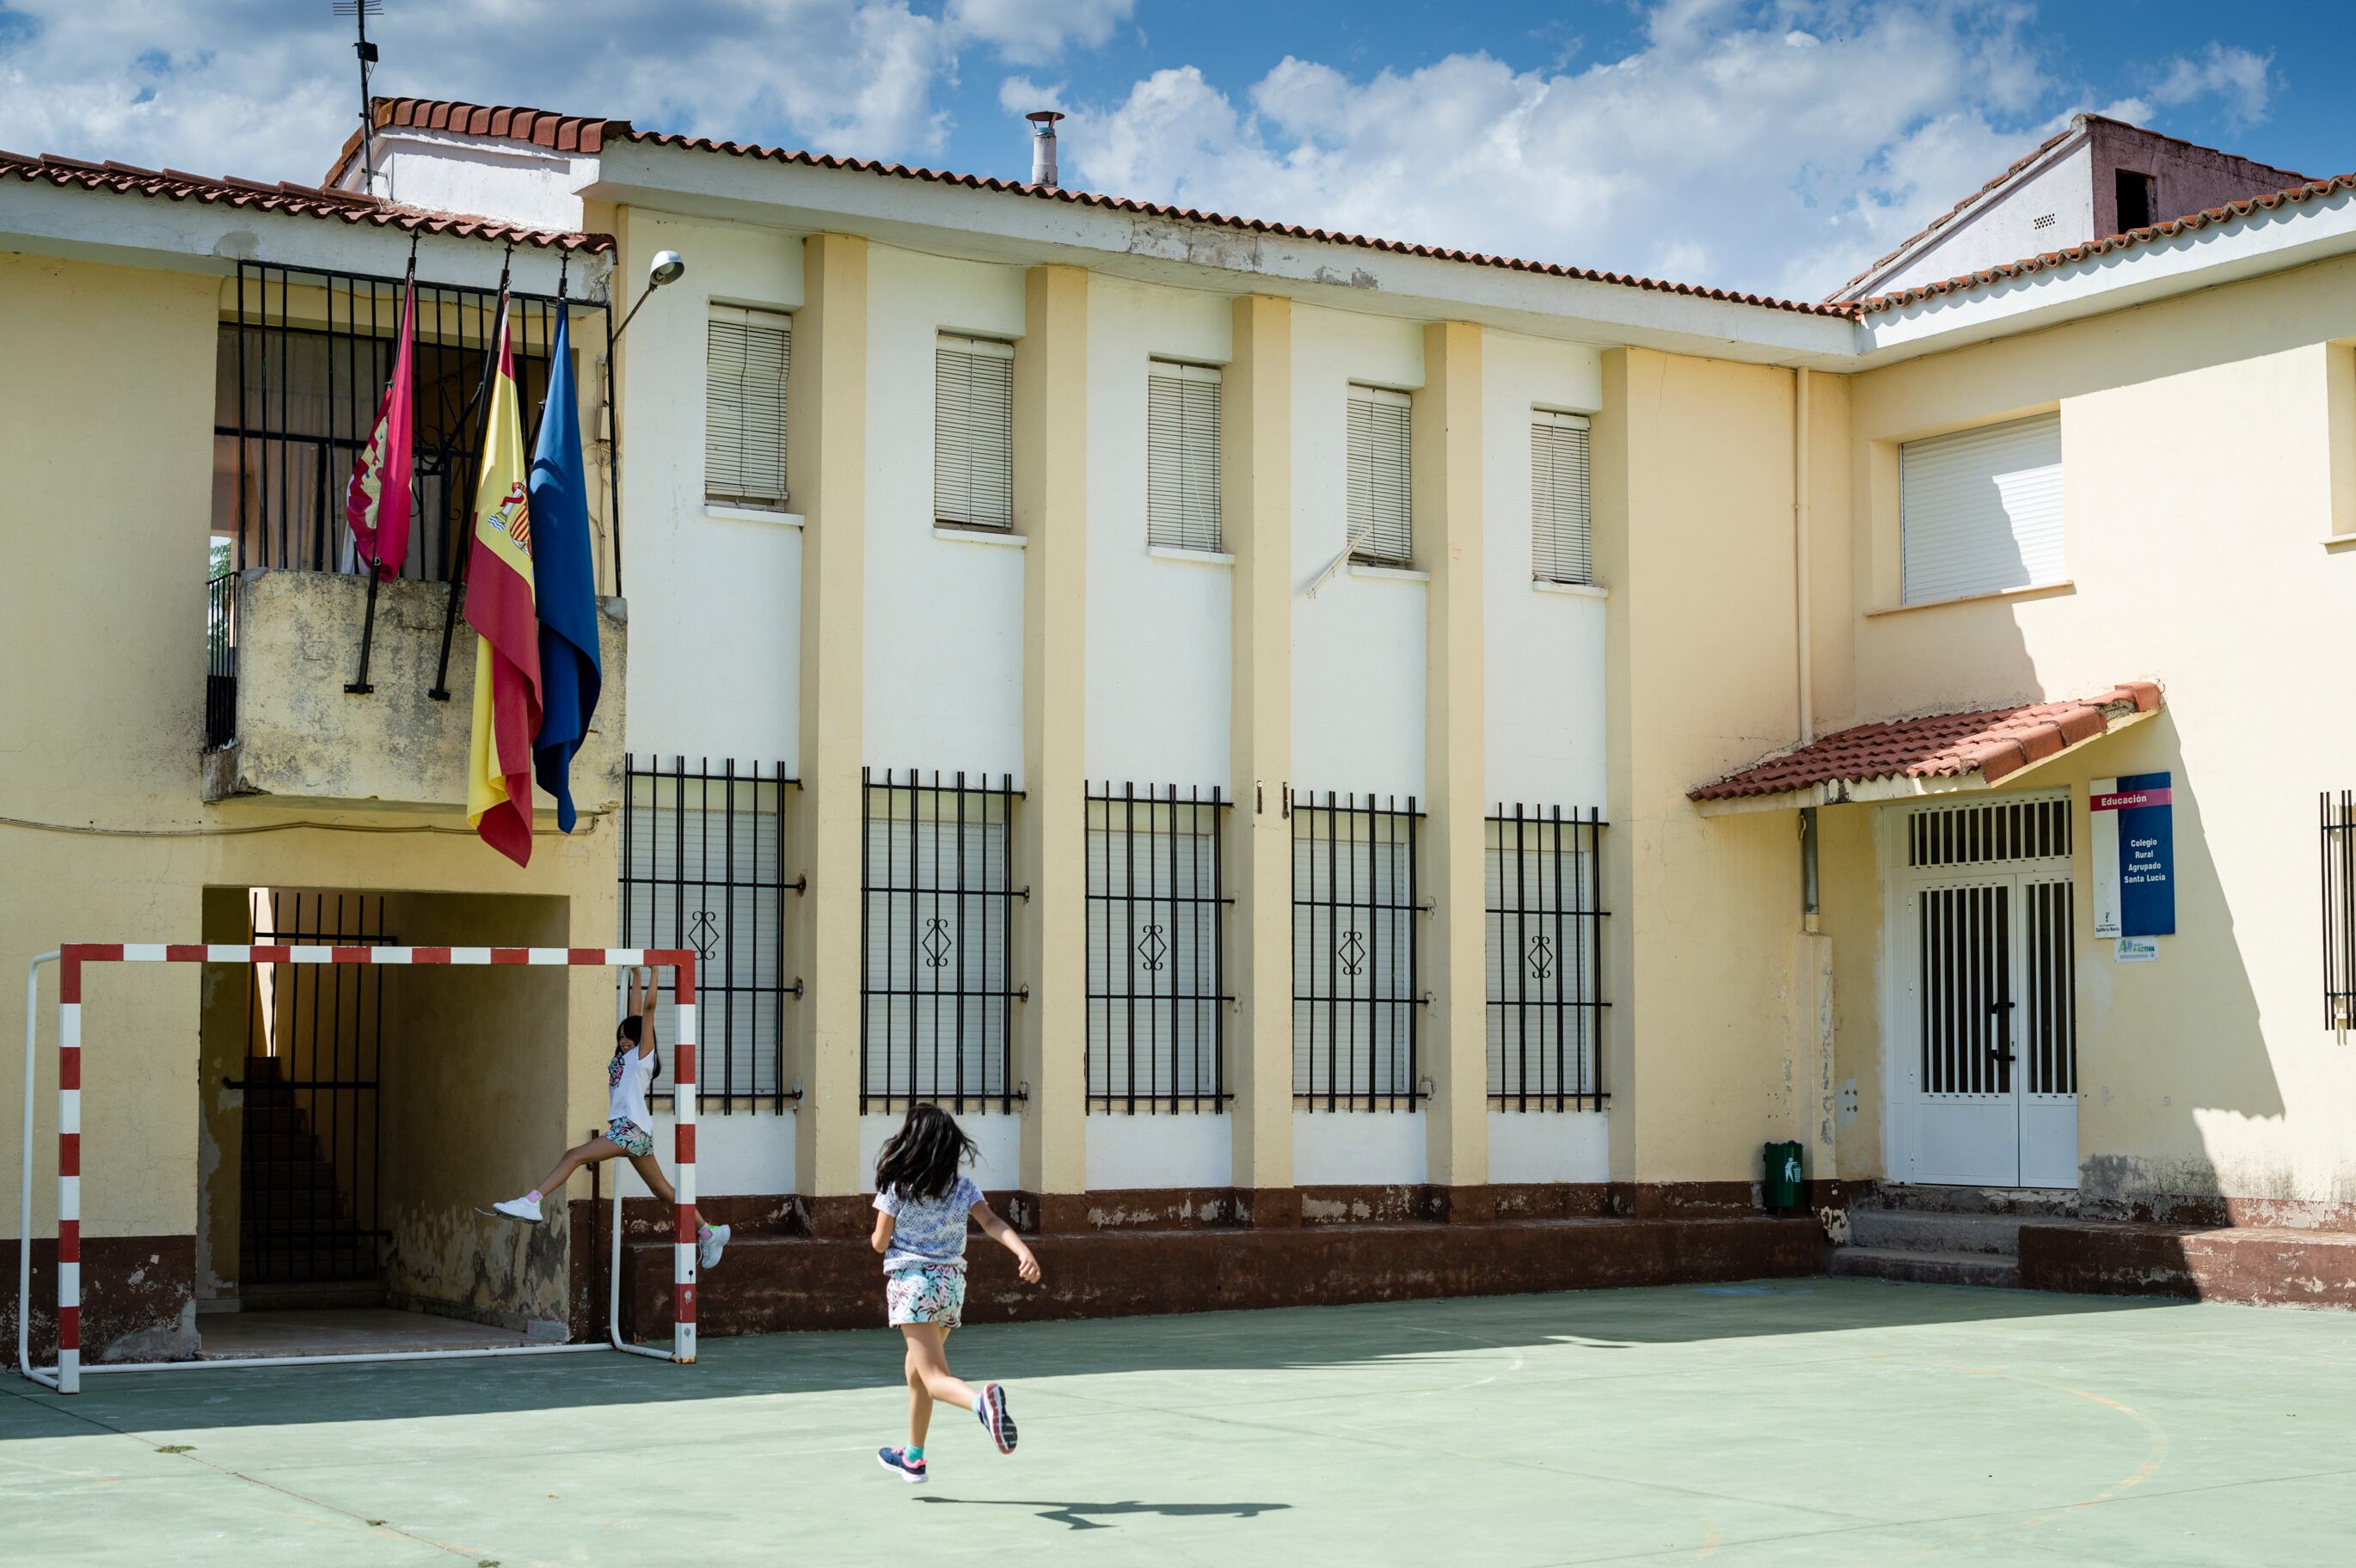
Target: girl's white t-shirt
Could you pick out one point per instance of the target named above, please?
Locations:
(626, 1080)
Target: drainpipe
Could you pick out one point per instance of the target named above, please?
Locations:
(1808, 904)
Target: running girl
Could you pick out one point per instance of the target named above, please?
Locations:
(924, 1201)
(629, 1125)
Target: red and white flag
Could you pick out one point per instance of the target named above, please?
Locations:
(377, 503)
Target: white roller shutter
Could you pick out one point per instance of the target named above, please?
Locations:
(973, 432)
(1182, 456)
(1561, 518)
(1379, 495)
(1980, 510)
(744, 406)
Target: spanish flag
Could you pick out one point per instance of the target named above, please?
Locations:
(499, 606)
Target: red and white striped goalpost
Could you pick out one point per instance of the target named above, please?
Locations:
(71, 958)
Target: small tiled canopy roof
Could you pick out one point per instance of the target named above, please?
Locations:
(1991, 742)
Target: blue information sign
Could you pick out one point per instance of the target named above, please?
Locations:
(2134, 855)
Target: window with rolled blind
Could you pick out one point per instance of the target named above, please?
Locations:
(1980, 510)
(1379, 509)
(1182, 456)
(1561, 519)
(973, 432)
(744, 406)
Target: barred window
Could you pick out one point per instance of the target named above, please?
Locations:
(1378, 496)
(1561, 518)
(2339, 912)
(973, 432)
(937, 913)
(1545, 960)
(1156, 999)
(1354, 939)
(746, 356)
(1182, 456)
(703, 868)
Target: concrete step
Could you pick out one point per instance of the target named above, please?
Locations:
(309, 1296)
(2018, 1201)
(1901, 1230)
(1925, 1268)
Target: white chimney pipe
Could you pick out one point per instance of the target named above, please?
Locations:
(1043, 146)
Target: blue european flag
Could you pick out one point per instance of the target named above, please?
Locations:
(566, 582)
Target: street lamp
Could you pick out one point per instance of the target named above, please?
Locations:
(668, 267)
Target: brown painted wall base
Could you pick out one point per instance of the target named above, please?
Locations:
(138, 1295)
(771, 1284)
(2264, 1267)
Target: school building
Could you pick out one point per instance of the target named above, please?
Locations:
(1356, 769)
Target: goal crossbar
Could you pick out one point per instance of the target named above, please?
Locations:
(74, 958)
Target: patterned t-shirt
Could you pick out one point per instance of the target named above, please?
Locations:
(928, 1232)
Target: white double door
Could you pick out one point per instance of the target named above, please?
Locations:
(1987, 1038)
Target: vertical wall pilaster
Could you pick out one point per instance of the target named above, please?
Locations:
(1051, 441)
(827, 480)
(1448, 523)
(1256, 521)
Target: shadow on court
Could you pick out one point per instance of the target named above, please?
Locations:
(1368, 1335)
(1089, 1516)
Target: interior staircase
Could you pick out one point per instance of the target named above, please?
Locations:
(1945, 1235)
(287, 1257)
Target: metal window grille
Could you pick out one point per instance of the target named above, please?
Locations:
(298, 375)
(1545, 943)
(703, 867)
(1157, 1002)
(1182, 456)
(221, 655)
(746, 356)
(973, 432)
(2338, 911)
(937, 916)
(1378, 497)
(1354, 1002)
(1561, 514)
(312, 1165)
(1977, 832)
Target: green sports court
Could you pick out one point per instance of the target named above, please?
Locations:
(1787, 1422)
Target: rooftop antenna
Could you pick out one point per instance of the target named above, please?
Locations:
(361, 11)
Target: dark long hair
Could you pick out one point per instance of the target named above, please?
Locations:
(921, 1159)
(627, 1037)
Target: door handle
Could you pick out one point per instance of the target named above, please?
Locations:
(2000, 1049)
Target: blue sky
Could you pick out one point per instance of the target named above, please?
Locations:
(1769, 144)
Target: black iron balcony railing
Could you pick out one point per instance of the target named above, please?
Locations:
(300, 370)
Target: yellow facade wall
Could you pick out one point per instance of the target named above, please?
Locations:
(103, 832)
(2203, 470)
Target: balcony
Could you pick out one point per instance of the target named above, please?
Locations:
(302, 360)
(289, 733)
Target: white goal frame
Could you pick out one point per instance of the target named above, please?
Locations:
(73, 957)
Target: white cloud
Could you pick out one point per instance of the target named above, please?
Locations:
(1771, 144)
(2234, 75)
(1032, 32)
(262, 88)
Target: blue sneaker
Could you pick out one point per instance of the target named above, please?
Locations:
(992, 1411)
(896, 1460)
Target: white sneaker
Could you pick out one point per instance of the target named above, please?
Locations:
(707, 1254)
(526, 1208)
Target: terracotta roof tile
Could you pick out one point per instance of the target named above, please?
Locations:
(545, 128)
(1991, 742)
(349, 206)
(541, 127)
(2116, 242)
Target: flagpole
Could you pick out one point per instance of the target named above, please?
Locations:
(440, 691)
(358, 686)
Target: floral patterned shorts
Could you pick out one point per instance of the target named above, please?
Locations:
(923, 1295)
(635, 1139)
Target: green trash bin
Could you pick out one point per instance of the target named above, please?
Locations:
(1780, 1190)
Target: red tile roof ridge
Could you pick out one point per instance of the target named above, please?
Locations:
(548, 128)
(1944, 743)
(1874, 304)
(2016, 167)
(352, 206)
